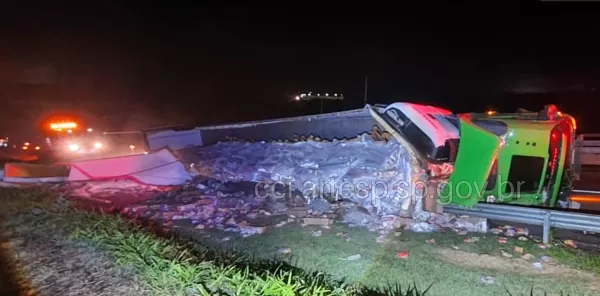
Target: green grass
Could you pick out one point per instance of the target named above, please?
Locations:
(488, 244)
(173, 266)
(209, 265)
(576, 258)
(379, 265)
(15, 200)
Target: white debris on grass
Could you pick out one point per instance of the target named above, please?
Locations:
(460, 224)
(352, 257)
(488, 280)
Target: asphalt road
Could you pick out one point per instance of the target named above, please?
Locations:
(590, 180)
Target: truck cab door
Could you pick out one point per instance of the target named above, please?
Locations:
(477, 151)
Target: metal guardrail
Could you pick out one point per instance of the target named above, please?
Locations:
(532, 216)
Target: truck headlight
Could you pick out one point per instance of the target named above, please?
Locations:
(98, 145)
(73, 147)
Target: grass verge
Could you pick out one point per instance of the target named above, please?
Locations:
(172, 269)
(437, 263)
(173, 266)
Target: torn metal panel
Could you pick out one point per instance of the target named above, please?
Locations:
(160, 168)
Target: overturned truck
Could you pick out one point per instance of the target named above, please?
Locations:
(398, 159)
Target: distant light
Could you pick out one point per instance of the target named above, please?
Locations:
(26, 144)
(90, 130)
(335, 95)
(326, 94)
(491, 112)
(297, 98)
(69, 131)
(131, 146)
(97, 145)
(37, 148)
(63, 125)
(24, 147)
(73, 147)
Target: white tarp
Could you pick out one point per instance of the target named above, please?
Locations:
(160, 168)
(371, 173)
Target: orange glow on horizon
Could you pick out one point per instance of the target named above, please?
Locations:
(63, 125)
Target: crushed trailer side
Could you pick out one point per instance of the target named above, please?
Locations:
(195, 144)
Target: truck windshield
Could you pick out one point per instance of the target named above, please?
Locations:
(411, 131)
(449, 122)
(452, 119)
(498, 128)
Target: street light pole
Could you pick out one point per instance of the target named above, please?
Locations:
(321, 105)
(366, 87)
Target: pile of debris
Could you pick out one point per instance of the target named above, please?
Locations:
(374, 174)
(234, 207)
(245, 187)
(111, 195)
(212, 204)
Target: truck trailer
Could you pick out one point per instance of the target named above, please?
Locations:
(522, 158)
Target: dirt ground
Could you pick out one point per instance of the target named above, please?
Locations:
(521, 266)
(54, 265)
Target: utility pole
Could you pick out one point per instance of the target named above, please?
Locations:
(321, 105)
(366, 88)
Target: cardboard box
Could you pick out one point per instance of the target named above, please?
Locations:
(318, 221)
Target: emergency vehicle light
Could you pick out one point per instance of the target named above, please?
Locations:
(63, 125)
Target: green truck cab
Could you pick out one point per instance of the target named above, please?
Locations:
(521, 158)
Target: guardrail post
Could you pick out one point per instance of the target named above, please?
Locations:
(546, 231)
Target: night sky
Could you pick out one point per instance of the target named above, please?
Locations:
(129, 67)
